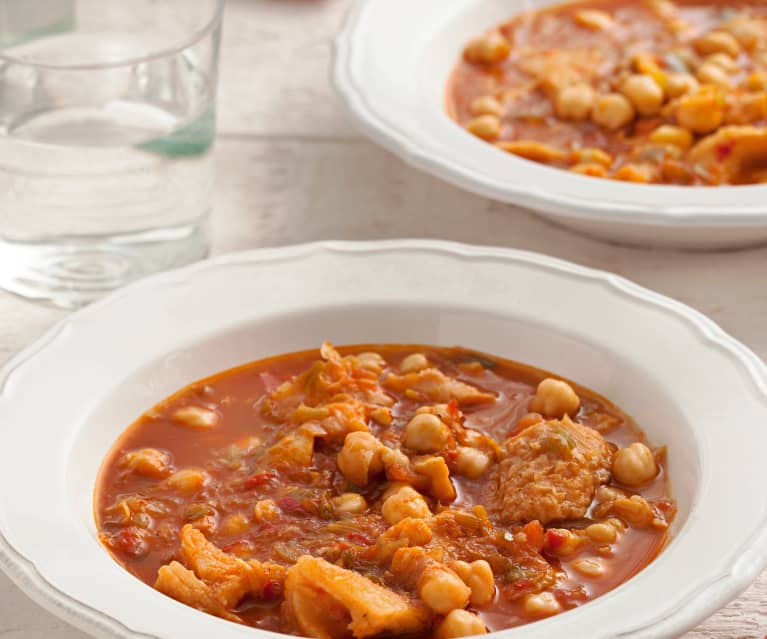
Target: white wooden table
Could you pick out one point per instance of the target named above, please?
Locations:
(290, 169)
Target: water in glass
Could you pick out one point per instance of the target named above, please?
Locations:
(105, 156)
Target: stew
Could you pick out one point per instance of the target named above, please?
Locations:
(365, 491)
(652, 91)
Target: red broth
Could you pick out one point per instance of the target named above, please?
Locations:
(141, 507)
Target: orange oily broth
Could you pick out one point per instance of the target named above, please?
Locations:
(530, 113)
(235, 394)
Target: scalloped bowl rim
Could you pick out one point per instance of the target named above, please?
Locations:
(700, 601)
(382, 120)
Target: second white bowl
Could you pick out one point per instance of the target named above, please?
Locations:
(393, 60)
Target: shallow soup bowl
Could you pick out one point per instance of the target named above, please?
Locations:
(392, 65)
(66, 399)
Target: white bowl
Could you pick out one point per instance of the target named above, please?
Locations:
(393, 59)
(65, 400)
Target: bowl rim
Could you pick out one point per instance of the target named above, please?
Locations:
(707, 598)
(353, 41)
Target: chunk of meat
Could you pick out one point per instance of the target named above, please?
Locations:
(296, 448)
(325, 381)
(437, 477)
(330, 422)
(405, 533)
(551, 471)
(346, 415)
(265, 579)
(736, 151)
(555, 70)
(330, 602)
(343, 415)
(229, 577)
(176, 581)
(437, 387)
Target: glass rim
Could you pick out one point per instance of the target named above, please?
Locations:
(210, 25)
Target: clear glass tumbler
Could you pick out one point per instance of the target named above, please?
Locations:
(107, 119)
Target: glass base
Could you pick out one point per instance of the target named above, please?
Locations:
(73, 271)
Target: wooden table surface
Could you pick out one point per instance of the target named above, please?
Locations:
(291, 169)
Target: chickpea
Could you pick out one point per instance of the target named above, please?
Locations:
(381, 416)
(636, 510)
(663, 9)
(603, 533)
(349, 503)
(666, 152)
(717, 42)
(478, 576)
(612, 111)
(196, 417)
(634, 465)
(701, 112)
(442, 590)
(393, 458)
(617, 524)
(234, 525)
(471, 463)
(533, 150)
(487, 127)
(543, 604)
(575, 102)
(360, 457)
(460, 623)
(372, 362)
(148, 462)
(710, 73)
(414, 363)
(756, 81)
(306, 413)
(669, 134)
(645, 63)
(592, 567)
(590, 168)
(594, 19)
(488, 49)
(639, 173)
(674, 171)
(555, 398)
(679, 84)
(484, 105)
(265, 510)
(440, 410)
(722, 60)
(644, 93)
(188, 480)
(745, 30)
(593, 156)
(748, 108)
(659, 523)
(426, 433)
(392, 488)
(435, 468)
(563, 543)
(405, 502)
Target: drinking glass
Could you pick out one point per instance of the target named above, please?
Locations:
(107, 119)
